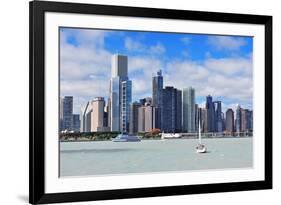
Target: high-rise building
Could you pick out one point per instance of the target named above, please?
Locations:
(157, 87)
(119, 66)
(134, 117)
(85, 118)
(203, 116)
(171, 110)
(246, 120)
(97, 120)
(114, 104)
(141, 119)
(76, 122)
(179, 111)
(229, 121)
(125, 99)
(238, 119)
(218, 116)
(188, 109)
(210, 114)
(68, 113)
(120, 94)
(251, 120)
(196, 117)
(146, 118)
(92, 116)
(150, 115)
(61, 115)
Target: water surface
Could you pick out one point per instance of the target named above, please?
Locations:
(106, 157)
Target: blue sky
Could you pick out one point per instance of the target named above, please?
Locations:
(217, 65)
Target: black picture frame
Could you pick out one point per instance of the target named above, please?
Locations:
(37, 9)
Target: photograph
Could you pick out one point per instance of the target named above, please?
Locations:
(142, 102)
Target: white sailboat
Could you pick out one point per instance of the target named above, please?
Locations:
(200, 148)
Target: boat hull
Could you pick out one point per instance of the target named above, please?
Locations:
(126, 138)
(203, 150)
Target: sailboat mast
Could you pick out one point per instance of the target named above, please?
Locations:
(199, 132)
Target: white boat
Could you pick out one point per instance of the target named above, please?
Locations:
(200, 148)
(126, 138)
(170, 135)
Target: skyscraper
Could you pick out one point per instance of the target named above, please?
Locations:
(171, 110)
(125, 99)
(134, 117)
(85, 118)
(92, 116)
(196, 117)
(114, 104)
(61, 115)
(218, 117)
(68, 113)
(229, 120)
(179, 111)
(76, 122)
(251, 120)
(246, 120)
(188, 109)
(202, 112)
(238, 119)
(157, 87)
(210, 114)
(146, 118)
(97, 114)
(120, 94)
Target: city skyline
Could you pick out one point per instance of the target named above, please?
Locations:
(168, 109)
(216, 65)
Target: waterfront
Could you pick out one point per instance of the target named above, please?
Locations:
(106, 157)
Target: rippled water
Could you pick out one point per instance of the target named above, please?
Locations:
(106, 157)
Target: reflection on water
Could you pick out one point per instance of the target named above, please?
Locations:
(106, 157)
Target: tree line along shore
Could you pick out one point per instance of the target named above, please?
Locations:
(154, 134)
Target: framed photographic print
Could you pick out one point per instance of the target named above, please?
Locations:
(140, 102)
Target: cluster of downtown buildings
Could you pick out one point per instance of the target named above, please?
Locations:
(168, 109)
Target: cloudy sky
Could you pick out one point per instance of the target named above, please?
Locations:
(217, 65)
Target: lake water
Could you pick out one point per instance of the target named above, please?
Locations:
(106, 157)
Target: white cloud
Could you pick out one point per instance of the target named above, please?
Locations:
(157, 49)
(186, 40)
(237, 87)
(133, 45)
(85, 68)
(230, 66)
(226, 42)
(138, 47)
(146, 64)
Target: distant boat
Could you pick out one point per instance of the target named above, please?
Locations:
(126, 138)
(170, 135)
(200, 148)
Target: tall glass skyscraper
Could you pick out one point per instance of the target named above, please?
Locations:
(238, 119)
(76, 122)
(68, 113)
(133, 125)
(125, 101)
(188, 101)
(172, 109)
(114, 104)
(120, 94)
(210, 114)
(157, 87)
(218, 117)
(229, 120)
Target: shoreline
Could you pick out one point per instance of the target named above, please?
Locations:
(155, 139)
